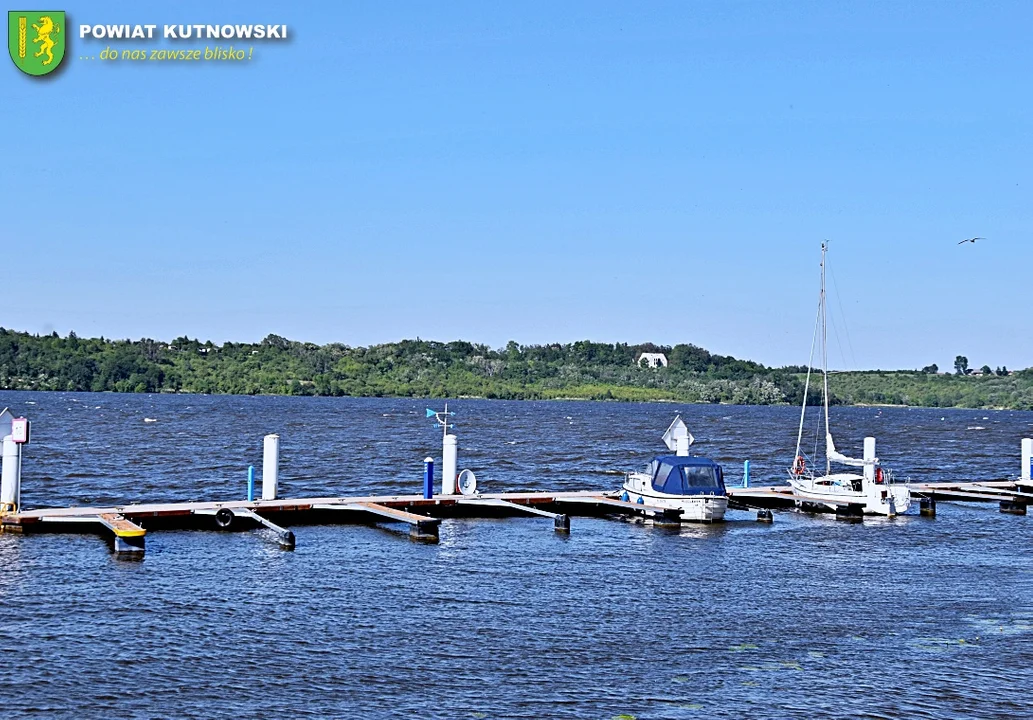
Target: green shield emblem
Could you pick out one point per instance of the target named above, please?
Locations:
(36, 39)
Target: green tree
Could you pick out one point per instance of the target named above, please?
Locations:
(986, 370)
(931, 369)
(961, 365)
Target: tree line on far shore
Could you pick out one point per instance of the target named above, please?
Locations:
(420, 368)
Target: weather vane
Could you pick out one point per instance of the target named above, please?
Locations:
(442, 418)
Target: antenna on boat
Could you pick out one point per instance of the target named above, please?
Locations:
(678, 437)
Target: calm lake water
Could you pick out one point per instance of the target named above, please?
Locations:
(804, 618)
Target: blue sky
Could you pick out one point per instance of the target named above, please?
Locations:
(539, 172)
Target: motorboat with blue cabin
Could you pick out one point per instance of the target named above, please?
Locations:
(695, 485)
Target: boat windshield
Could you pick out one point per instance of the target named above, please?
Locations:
(700, 476)
(684, 479)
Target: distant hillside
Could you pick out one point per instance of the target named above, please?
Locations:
(417, 368)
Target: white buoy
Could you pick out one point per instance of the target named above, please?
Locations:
(1027, 459)
(10, 476)
(449, 461)
(869, 458)
(270, 467)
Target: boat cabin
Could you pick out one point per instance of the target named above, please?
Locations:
(679, 475)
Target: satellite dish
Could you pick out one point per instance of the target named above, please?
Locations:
(467, 482)
(678, 437)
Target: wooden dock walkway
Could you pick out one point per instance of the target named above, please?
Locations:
(1011, 496)
(128, 525)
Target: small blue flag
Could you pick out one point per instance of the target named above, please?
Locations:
(430, 413)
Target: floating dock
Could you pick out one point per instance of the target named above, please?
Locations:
(128, 525)
(1010, 495)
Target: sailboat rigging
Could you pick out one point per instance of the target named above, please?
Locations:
(873, 489)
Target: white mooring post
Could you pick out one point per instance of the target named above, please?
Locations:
(1027, 461)
(449, 462)
(270, 466)
(10, 476)
(869, 455)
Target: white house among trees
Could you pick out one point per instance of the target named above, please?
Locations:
(653, 360)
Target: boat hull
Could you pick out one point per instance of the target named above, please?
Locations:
(695, 508)
(832, 491)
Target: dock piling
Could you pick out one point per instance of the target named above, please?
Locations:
(927, 507)
(765, 516)
(869, 460)
(270, 466)
(1013, 507)
(10, 475)
(449, 463)
(1026, 475)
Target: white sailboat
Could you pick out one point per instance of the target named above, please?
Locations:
(873, 489)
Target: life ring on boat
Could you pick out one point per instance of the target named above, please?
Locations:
(878, 476)
(799, 465)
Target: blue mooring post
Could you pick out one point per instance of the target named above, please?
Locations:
(746, 474)
(428, 478)
(250, 483)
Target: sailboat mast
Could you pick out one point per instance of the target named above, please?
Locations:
(807, 382)
(825, 357)
(810, 363)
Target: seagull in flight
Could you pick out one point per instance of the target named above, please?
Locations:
(971, 240)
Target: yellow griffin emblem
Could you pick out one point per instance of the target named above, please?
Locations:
(43, 30)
